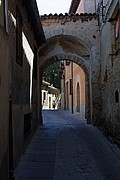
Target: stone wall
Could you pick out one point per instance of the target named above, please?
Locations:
(110, 79)
(75, 36)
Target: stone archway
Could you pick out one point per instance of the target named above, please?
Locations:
(65, 56)
(78, 60)
(70, 46)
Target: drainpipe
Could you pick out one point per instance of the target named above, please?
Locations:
(11, 166)
(64, 89)
(40, 99)
(72, 85)
(90, 83)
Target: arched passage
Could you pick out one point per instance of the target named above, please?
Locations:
(78, 61)
(65, 47)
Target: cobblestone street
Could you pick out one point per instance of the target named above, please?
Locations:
(67, 148)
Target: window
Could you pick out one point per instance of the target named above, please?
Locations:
(67, 96)
(44, 96)
(117, 31)
(67, 62)
(71, 87)
(117, 24)
(35, 63)
(116, 96)
(4, 14)
(27, 124)
(19, 57)
(78, 98)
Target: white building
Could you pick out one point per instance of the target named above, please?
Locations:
(50, 94)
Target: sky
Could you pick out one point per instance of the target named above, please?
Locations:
(53, 6)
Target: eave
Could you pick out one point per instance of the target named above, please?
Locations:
(34, 19)
(73, 7)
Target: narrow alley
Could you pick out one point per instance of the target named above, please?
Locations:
(67, 148)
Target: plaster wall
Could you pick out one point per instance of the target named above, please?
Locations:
(86, 6)
(4, 103)
(80, 8)
(78, 77)
(21, 81)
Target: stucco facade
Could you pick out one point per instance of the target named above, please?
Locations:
(83, 6)
(18, 80)
(4, 92)
(4, 101)
(75, 89)
(23, 73)
(86, 6)
(89, 41)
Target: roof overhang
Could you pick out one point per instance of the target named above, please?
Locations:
(73, 7)
(34, 19)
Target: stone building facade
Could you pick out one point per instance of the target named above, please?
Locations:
(109, 27)
(109, 22)
(92, 41)
(102, 70)
(20, 28)
(75, 38)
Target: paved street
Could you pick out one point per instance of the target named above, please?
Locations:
(66, 148)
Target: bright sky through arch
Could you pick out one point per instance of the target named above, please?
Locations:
(53, 6)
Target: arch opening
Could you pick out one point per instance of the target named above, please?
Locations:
(64, 98)
(63, 48)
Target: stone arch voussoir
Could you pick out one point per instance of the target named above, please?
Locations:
(66, 56)
(68, 32)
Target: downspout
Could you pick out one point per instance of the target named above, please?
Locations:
(39, 95)
(64, 89)
(72, 85)
(11, 164)
(40, 102)
(90, 83)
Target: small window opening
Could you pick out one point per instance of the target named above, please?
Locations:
(116, 96)
(44, 96)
